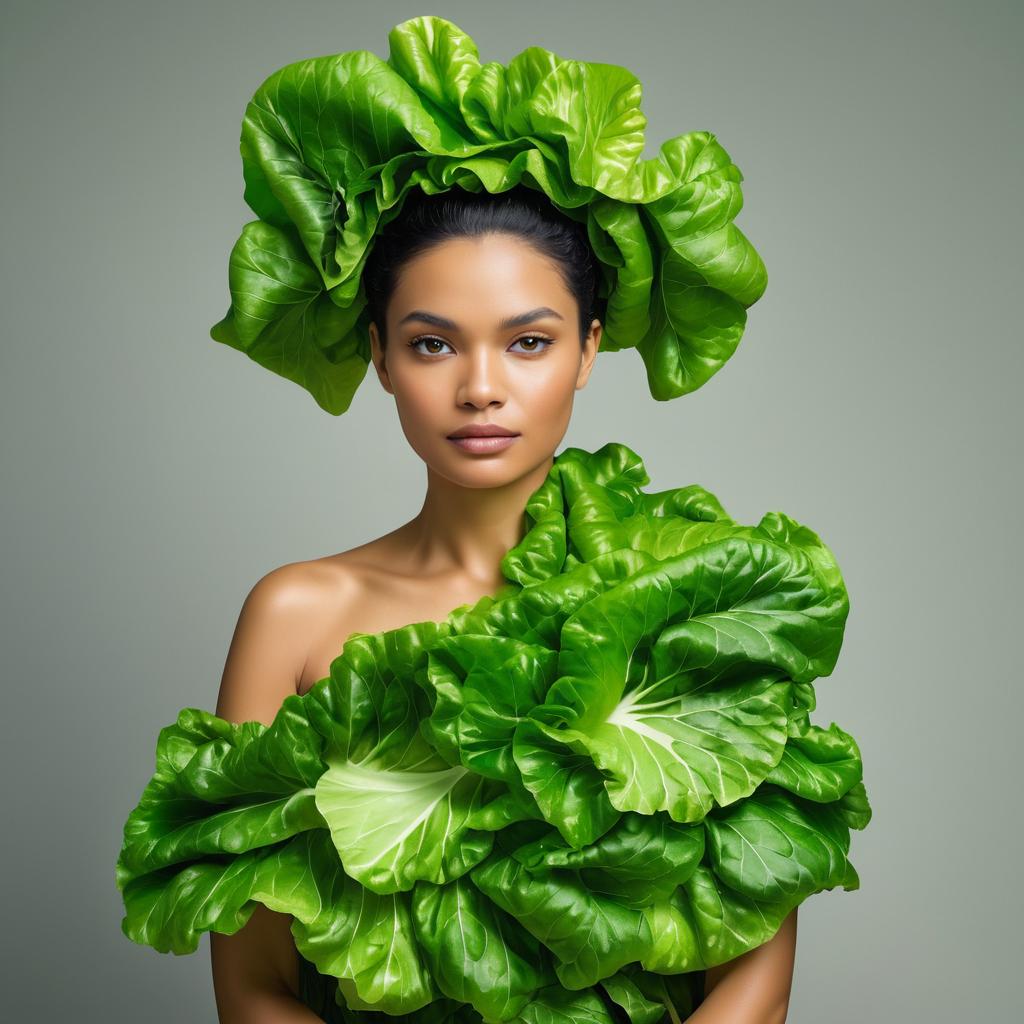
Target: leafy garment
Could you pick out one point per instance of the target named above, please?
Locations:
(562, 803)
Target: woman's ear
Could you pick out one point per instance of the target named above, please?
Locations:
(377, 354)
(591, 345)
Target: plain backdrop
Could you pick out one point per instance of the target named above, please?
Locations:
(150, 475)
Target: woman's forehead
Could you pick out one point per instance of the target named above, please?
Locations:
(529, 316)
(455, 278)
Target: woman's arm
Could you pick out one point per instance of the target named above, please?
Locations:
(754, 988)
(256, 970)
(256, 973)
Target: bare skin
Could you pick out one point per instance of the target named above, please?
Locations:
(295, 619)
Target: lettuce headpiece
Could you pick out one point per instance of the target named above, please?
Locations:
(331, 147)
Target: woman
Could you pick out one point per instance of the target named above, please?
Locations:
(563, 766)
(484, 327)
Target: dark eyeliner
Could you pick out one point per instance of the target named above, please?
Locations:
(538, 337)
(433, 337)
(426, 337)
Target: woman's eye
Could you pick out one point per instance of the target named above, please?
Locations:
(432, 342)
(546, 342)
(433, 346)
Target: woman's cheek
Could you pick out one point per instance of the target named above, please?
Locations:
(552, 400)
(422, 397)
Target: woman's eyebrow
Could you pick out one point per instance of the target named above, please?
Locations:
(512, 321)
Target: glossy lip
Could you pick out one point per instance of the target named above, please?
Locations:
(482, 430)
(485, 443)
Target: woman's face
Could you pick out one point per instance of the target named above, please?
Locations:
(451, 362)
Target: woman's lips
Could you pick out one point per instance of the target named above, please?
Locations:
(485, 444)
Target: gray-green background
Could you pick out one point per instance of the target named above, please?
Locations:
(150, 476)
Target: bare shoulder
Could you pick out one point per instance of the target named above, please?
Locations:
(354, 591)
(299, 590)
(373, 588)
(281, 616)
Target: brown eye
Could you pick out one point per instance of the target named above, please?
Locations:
(427, 340)
(546, 342)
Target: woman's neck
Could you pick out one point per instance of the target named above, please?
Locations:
(465, 531)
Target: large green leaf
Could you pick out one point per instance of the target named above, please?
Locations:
(638, 1007)
(705, 923)
(395, 825)
(484, 686)
(556, 1005)
(283, 318)
(363, 939)
(477, 953)
(642, 859)
(775, 847)
(591, 934)
(683, 754)
(818, 764)
(566, 784)
(396, 810)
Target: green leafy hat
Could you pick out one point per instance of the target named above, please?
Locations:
(332, 145)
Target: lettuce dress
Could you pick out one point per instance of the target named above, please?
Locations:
(561, 804)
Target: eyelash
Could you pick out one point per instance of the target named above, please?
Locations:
(548, 342)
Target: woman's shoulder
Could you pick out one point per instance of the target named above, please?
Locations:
(318, 602)
(266, 649)
(323, 583)
(307, 586)
(310, 594)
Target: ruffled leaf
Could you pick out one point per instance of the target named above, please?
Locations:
(776, 847)
(477, 953)
(591, 934)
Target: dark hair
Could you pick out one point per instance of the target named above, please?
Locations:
(425, 221)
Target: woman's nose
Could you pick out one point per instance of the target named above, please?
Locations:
(482, 379)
